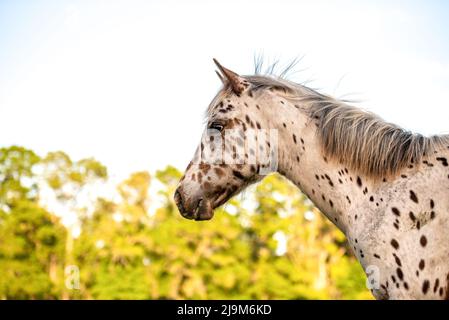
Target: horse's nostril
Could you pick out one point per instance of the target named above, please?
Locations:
(177, 195)
(179, 202)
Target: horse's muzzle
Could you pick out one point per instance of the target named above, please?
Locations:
(196, 209)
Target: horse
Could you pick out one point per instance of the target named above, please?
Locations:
(385, 188)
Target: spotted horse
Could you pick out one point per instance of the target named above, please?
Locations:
(387, 189)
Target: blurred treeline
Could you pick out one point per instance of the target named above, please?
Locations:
(130, 246)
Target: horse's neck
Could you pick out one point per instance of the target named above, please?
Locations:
(331, 187)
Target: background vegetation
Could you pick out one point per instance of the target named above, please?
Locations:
(133, 244)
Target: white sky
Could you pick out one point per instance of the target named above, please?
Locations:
(127, 82)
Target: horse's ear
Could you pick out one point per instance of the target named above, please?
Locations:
(238, 83)
(220, 76)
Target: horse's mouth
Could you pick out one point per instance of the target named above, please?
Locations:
(204, 209)
(220, 199)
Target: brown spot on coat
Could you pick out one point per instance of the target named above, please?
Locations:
(413, 196)
(394, 243)
(219, 172)
(425, 286)
(359, 181)
(423, 241)
(421, 265)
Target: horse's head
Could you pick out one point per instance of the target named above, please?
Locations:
(236, 149)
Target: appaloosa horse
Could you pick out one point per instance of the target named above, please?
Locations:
(387, 189)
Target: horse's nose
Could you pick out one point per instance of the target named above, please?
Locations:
(196, 208)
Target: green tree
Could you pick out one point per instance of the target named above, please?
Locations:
(71, 183)
(111, 248)
(31, 248)
(16, 173)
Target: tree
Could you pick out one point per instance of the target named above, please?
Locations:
(16, 172)
(111, 248)
(70, 193)
(31, 253)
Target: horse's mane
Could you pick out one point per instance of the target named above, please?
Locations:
(354, 137)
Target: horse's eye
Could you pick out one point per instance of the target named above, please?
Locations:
(216, 126)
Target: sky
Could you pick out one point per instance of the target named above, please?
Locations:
(128, 82)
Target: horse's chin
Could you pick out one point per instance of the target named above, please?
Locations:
(206, 207)
(205, 211)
